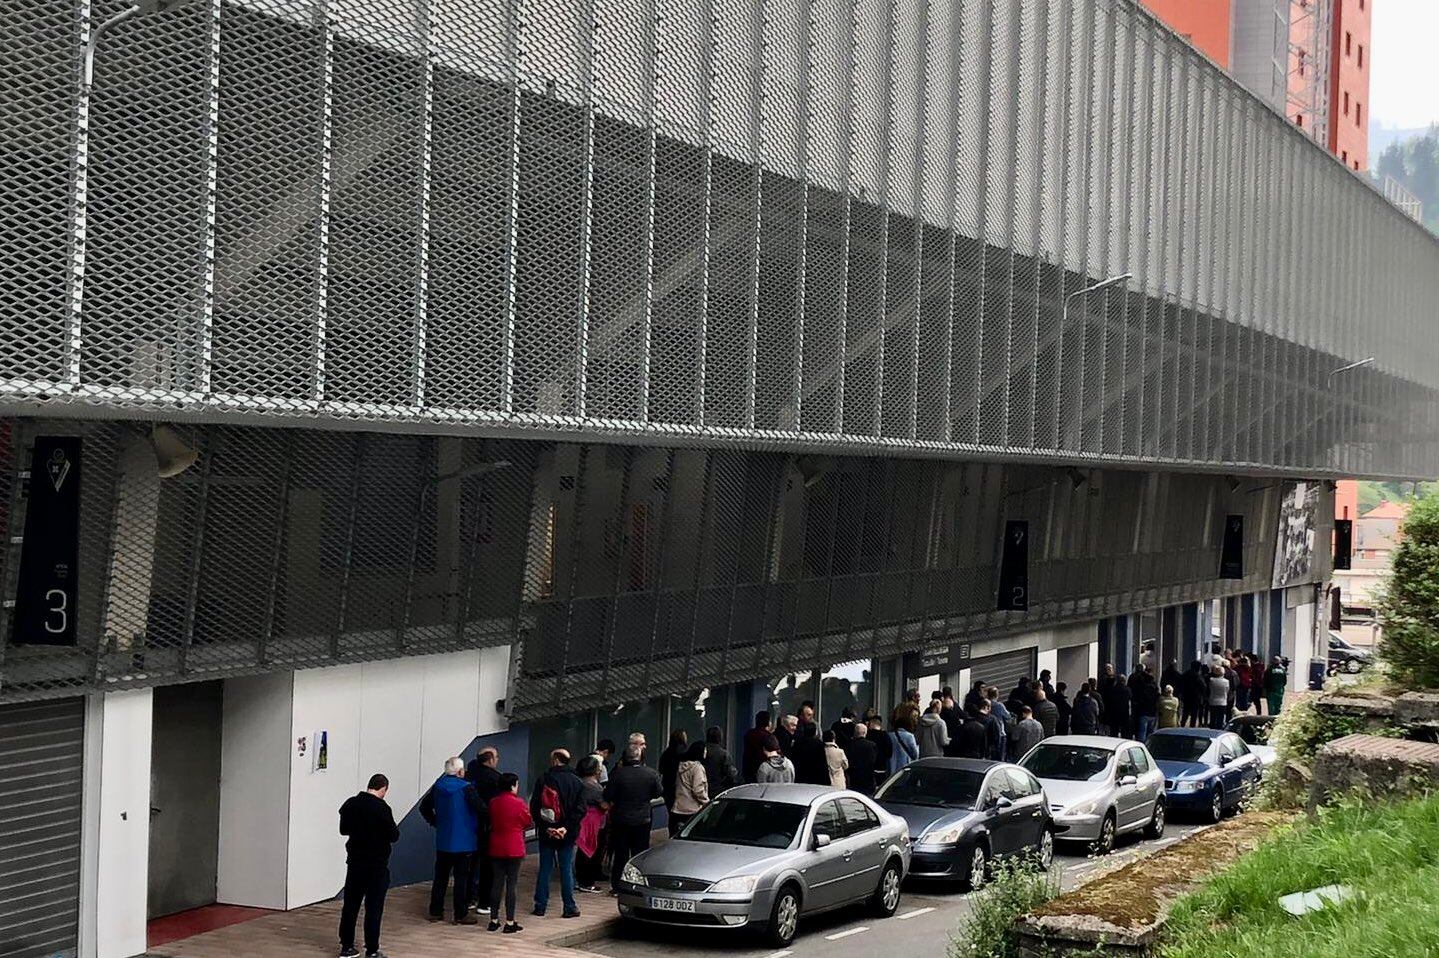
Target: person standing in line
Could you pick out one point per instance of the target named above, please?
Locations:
(861, 754)
(1192, 693)
(590, 846)
(557, 806)
(973, 741)
(1276, 679)
(1045, 682)
(604, 752)
(509, 817)
(669, 768)
(1172, 676)
(953, 718)
(775, 769)
(1145, 694)
(882, 745)
(1046, 713)
(754, 741)
(1244, 671)
(974, 696)
(787, 732)
(843, 728)
(1116, 709)
(933, 737)
(1027, 733)
(1256, 680)
(835, 761)
(484, 774)
(1168, 709)
(999, 713)
(1218, 698)
(1085, 718)
(720, 770)
(692, 791)
(806, 716)
(906, 713)
(904, 749)
(632, 789)
(1066, 710)
(807, 756)
(453, 809)
(637, 739)
(369, 826)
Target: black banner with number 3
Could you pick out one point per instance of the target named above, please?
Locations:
(49, 557)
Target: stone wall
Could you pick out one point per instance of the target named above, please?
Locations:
(1373, 766)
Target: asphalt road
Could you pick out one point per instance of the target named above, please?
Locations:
(928, 917)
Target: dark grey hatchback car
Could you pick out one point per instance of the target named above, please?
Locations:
(963, 814)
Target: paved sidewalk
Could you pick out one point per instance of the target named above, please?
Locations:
(312, 932)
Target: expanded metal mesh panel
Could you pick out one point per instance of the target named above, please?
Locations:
(840, 225)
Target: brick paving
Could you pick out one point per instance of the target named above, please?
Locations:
(312, 932)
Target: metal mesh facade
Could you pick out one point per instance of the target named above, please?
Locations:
(613, 571)
(837, 225)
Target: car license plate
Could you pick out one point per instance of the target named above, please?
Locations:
(672, 904)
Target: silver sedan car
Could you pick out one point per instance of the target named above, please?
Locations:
(762, 856)
(1099, 788)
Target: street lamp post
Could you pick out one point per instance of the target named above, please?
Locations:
(1345, 369)
(1102, 284)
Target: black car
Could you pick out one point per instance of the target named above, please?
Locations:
(965, 813)
(1344, 657)
(1253, 729)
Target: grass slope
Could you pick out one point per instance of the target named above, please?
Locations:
(1389, 853)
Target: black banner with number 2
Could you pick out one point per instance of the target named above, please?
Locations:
(1014, 567)
(49, 557)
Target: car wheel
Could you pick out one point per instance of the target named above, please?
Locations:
(978, 867)
(1352, 665)
(1104, 844)
(1216, 804)
(784, 917)
(886, 897)
(1155, 828)
(1045, 858)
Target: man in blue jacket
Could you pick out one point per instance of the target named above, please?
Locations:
(453, 809)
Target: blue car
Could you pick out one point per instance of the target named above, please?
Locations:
(1206, 771)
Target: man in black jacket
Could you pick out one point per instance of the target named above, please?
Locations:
(370, 826)
(483, 773)
(557, 805)
(861, 754)
(973, 739)
(807, 755)
(631, 790)
(720, 771)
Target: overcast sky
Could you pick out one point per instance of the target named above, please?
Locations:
(1404, 78)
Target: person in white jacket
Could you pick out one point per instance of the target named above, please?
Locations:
(835, 760)
(692, 790)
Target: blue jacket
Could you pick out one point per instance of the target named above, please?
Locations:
(453, 807)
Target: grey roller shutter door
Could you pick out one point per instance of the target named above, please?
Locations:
(1003, 670)
(41, 760)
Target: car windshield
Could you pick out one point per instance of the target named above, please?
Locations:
(1179, 748)
(734, 821)
(1254, 733)
(1069, 763)
(932, 785)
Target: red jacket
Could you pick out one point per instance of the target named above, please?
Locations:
(509, 817)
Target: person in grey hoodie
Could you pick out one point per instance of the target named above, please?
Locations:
(933, 735)
(1027, 733)
(775, 769)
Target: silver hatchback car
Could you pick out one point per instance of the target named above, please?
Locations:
(1099, 788)
(762, 856)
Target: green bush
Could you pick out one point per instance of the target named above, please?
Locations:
(1385, 853)
(1299, 732)
(1409, 608)
(988, 930)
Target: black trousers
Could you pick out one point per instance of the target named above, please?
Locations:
(365, 884)
(445, 862)
(481, 875)
(626, 841)
(506, 873)
(590, 869)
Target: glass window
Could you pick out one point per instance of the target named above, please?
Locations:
(827, 821)
(850, 684)
(1237, 744)
(1139, 760)
(697, 711)
(745, 822)
(998, 785)
(788, 691)
(1176, 747)
(933, 785)
(857, 816)
(1022, 782)
(618, 721)
(1070, 763)
(563, 731)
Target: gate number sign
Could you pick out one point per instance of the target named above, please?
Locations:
(49, 555)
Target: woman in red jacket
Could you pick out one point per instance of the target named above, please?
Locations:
(509, 817)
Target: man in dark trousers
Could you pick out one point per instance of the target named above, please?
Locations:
(452, 807)
(973, 739)
(720, 771)
(483, 773)
(557, 806)
(862, 754)
(1117, 698)
(807, 754)
(370, 828)
(631, 790)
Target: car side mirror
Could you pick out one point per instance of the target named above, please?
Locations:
(1129, 780)
(1001, 803)
(821, 840)
(1225, 759)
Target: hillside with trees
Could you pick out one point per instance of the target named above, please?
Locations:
(1414, 163)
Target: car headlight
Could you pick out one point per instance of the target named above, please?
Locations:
(632, 875)
(1189, 785)
(735, 885)
(947, 837)
(1088, 807)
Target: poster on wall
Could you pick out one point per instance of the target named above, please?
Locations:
(47, 592)
(1294, 545)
